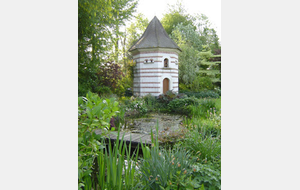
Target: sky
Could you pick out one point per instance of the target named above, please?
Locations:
(211, 8)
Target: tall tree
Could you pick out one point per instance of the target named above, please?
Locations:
(198, 41)
(207, 32)
(98, 31)
(186, 34)
(135, 31)
(122, 11)
(174, 16)
(93, 18)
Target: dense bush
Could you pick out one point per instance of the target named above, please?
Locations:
(182, 167)
(167, 169)
(151, 102)
(209, 147)
(169, 96)
(201, 84)
(182, 105)
(202, 94)
(209, 175)
(202, 109)
(93, 113)
(218, 90)
(136, 107)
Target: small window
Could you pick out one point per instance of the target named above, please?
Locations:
(146, 60)
(166, 62)
(151, 60)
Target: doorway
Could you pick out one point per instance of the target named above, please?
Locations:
(165, 85)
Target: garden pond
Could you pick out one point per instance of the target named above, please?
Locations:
(166, 122)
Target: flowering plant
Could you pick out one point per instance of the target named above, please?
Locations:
(137, 105)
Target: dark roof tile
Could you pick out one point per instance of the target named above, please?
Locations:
(155, 36)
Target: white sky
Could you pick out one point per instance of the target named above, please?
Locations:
(211, 8)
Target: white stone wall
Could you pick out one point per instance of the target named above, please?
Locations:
(148, 77)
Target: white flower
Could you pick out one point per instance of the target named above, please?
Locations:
(104, 101)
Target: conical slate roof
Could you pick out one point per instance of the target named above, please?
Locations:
(155, 36)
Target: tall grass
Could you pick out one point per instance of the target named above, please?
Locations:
(210, 127)
(208, 147)
(163, 168)
(111, 171)
(203, 108)
(115, 158)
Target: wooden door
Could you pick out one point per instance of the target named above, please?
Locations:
(165, 85)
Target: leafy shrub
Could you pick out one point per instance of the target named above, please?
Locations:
(136, 107)
(209, 129)
(202, 94)
(109, 74)
(166, 168)
(93, 112)
(151, 102)
(103, 90)
(207, 104)
(218, 90)
(207, 174)
(205, 83)
(128, 92)
(169, 96)
(202, 109)
(183, 87)
(181, 106)
(208, 147)
(112, 171)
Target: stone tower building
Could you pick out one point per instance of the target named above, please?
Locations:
(156, 57)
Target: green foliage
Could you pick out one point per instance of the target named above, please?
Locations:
(204, 137)
(210, 69)
(207, 127)
(137, 107)
(187, 35)
(116, 168)
(209, 147)
(175, 15)
(151, 102)
(182, 105)
(201, 84)
(202, 94)
(98, 34)
(169, 138)
(206, 55)
(189, 62)
(193, 161)
(209, 175)
(103, 90)
(204, 108)
(218, 90)
(125, 85)
(166, 168)
(198, 41)
(93, 112)
(175, 169)
(135, 30)
(93, 18)
(165, 99)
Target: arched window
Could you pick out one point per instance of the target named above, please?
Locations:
(166, 62)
